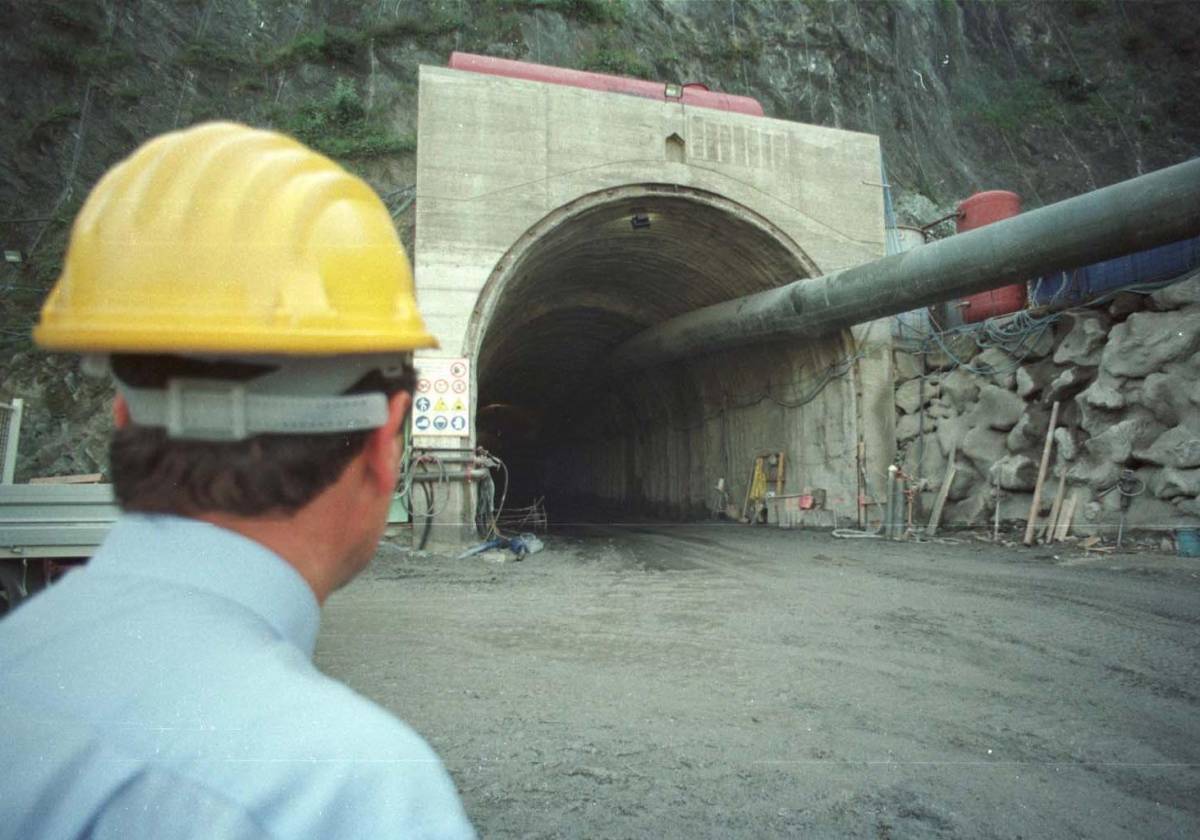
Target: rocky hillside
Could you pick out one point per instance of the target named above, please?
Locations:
(1046, 98)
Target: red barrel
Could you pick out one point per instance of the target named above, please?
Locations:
(982, 209)
(689, 94)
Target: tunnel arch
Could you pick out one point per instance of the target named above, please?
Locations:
(591, 274)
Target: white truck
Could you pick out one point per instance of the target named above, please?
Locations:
(44, 528)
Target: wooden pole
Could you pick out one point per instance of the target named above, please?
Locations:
(1031, 526)
(1065, 516)
(1047, 533)
(935, 518)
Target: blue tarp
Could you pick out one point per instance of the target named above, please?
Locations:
(1079, 285)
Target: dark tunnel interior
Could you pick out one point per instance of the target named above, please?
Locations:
(589, 283)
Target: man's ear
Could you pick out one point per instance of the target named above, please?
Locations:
(120, 412)
(385, 447)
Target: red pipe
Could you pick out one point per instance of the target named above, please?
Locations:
(689, 94)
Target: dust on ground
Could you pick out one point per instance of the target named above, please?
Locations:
(728, 681)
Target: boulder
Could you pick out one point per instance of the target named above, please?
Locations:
(996, 366)
(908, 427)
(938, 408)
(1103, 393)
(1170, 483)
(908, 396)
(1064, 443)
(1016, 472)
(1188, 507)
(998, 408)
(1177, 447)
(1069, 415)
(1147, 513)
(1039, 345)
(907, 366)
(1116, 443)
(1097, 474)
(983, 447)
(1125, 304)
(965, 481)
(1025, 383)
(1085, 339)
(959, 388)
(971, 510)
(931, 464)
(1029, 431)
(1093, 420)
(1166, 396)
(1147, 341)
(1067, 384)
(1032, 378)
(1185, 292)
(951, 432)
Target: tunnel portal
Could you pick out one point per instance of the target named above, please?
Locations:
(553, 223)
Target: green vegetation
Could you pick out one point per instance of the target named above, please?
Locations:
(341, 127)
(611, 55)
(419, 26)
(75, 18)
(739, 49)
(66, 56)
(47, 127)
(1011, 106)
(327, 44)
(587, 11)
(213, 54)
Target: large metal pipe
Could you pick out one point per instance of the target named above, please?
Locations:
(1133, 215)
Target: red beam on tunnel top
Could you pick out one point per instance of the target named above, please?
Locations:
(689, 94)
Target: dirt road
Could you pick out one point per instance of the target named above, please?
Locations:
(726, 681)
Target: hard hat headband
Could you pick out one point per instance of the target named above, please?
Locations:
(219, 410)
(297, 395)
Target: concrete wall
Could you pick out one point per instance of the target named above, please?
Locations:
(525, 261)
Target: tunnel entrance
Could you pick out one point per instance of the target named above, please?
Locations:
(585, 278)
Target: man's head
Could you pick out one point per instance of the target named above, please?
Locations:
(256, 308)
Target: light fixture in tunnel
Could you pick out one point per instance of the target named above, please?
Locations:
(639, 221)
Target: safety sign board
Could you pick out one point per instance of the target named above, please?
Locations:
(442, 404)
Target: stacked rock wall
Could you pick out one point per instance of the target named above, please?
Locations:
(1126, 375)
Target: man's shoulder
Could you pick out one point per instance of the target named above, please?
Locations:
(333, 715)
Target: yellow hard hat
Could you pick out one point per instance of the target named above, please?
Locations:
(223, 239)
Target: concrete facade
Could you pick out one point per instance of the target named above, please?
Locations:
(555, 222)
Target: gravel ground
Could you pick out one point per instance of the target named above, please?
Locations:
(728, 681)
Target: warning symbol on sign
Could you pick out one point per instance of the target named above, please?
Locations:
(442, 402)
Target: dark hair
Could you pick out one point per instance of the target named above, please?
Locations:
(270, 473)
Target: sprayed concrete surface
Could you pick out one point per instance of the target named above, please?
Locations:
(726, 681)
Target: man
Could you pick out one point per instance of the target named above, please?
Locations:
(256, 310)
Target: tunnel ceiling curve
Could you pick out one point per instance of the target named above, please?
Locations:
(598, 275)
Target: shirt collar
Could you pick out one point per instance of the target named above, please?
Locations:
(216, 560)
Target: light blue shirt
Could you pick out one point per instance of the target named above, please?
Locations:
(167, 690)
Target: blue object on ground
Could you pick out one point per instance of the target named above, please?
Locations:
(1187, 542)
